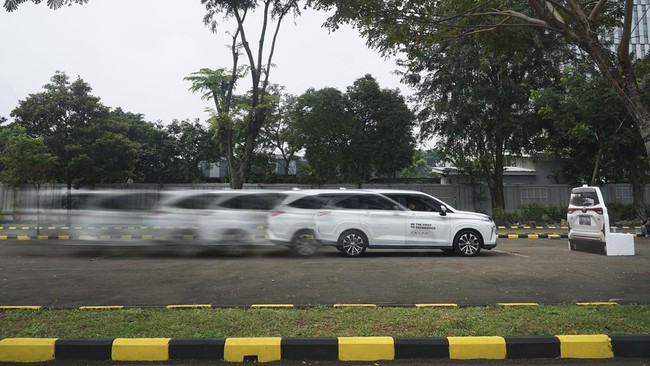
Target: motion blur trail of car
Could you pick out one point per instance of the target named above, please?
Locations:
(234, 221)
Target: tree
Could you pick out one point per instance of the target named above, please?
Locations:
(194, 144)
(279, 133)
(111, 155)
(156, 160)
(476, 97)
(167, 153)
(420, 167)
(385, 142)
(11, 5)
(62, 115)
(392, 24)
(592, 133)
(324, 124)
(241, 116)
(354, 136)
(25, 159)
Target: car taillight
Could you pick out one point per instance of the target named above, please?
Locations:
(572, 210)
(275, 212)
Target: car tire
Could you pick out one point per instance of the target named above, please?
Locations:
(304, 243)
(352, 243)
(234, 241)
(468, 243)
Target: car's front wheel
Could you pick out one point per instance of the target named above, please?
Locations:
(468, 243)
(352, 243)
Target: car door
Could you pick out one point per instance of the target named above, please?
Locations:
(383, 220)
(427, 224)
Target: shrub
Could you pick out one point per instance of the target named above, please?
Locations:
(530, 213)
(533, 212)
(505, 217)
(556, 213)
(620, 212)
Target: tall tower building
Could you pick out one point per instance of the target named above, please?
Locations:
(640, 40)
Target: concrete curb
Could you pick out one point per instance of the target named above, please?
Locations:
(266, 349)
(289, 306)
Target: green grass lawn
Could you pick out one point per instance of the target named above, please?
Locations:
(327, 322)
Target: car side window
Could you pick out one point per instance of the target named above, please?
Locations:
(372, 202)
(433, 205)
(253, 201)
(200, 201)
(366, 202)
(418, 203)
(351, 202)
(310, 202)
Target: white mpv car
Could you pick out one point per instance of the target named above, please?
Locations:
(587, 215)
(355, 220)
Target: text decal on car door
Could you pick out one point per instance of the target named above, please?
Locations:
(421, 228)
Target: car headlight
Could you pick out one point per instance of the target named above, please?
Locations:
(486, 218)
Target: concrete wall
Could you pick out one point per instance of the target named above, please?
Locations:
(461, 196)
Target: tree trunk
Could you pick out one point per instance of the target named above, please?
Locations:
(494, 181)
(638, 191)
(599, 156)
(494, 176)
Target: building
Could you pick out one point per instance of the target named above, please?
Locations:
(640, 39)
(519, 170)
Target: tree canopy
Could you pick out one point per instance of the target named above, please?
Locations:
(354, 136)
(592, 133)
(392, 25)
(93, 144)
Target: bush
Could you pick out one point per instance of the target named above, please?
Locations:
(532, 213)
(556, 213)
(620, 212)
(505, 217)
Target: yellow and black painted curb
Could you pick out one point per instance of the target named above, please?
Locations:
(532, 236)
(267, 349)
(288, 306)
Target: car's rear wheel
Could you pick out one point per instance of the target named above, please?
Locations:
(468, 243)
(234, 241)
(304, 243)
(352, 243)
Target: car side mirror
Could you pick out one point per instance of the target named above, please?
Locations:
(443, 211)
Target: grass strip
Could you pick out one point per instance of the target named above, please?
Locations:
(327, 322)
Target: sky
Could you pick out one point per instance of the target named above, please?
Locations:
(135, 54)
